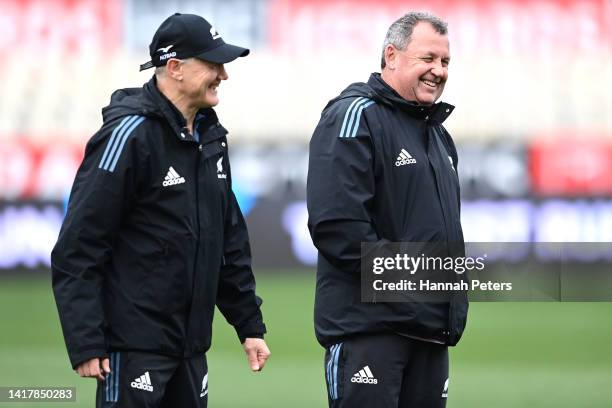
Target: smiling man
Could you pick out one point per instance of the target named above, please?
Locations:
(383, 169)
(153, 238)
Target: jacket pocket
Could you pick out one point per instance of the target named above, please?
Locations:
(165, 285)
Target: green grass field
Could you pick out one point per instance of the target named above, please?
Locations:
(512, 355)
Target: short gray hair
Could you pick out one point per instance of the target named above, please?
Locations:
(160, 71)
(400, 32)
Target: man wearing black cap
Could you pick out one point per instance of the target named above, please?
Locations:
(153, 238)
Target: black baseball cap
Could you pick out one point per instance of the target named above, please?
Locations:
(188, 35)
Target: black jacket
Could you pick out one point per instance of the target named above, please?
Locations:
(153, 237)
(358, 193)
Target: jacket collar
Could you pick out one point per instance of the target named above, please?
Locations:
(437, 112)
(209, 127)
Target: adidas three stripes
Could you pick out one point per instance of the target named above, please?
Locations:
(117, 140)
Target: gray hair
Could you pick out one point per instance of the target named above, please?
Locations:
(160, 71)
(400, 32)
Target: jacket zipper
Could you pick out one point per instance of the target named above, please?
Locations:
(450, 318)
(436, 144)
(197, 196)
(197, 246)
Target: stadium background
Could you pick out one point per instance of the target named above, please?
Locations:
(531, 81)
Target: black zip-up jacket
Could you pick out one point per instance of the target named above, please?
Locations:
(153, 237)
(381, 170)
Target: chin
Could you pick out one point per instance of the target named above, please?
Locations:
(210, 102)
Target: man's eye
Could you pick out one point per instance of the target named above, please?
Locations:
(427, 59)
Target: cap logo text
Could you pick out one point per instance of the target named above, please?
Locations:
(168, 55)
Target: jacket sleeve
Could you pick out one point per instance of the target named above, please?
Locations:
(341, 186)
(236, 297)
(102, 193)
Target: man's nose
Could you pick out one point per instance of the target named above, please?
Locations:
(223, 73)
(439, 70)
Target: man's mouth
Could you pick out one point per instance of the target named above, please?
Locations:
(429, 83)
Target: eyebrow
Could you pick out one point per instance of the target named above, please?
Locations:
(432, 55)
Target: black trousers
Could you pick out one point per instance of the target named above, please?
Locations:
(388, 371)
(151, 380)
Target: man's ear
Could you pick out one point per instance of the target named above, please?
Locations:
(390, 56)
(174, 69)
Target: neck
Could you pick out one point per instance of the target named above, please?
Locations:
(179, 100)
(386, 76)
(408, 95)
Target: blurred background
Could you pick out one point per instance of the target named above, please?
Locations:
(532, 83)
